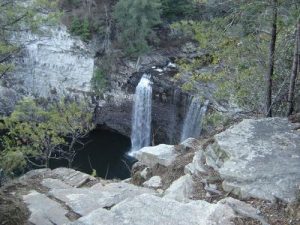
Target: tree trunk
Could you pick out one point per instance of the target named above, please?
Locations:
(269, 76)
(71, 152)
(295, 69)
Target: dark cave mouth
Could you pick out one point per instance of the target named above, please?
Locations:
(105, 152)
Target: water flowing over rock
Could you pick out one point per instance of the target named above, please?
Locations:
(193, 121)
(51, 61)
(141, 118)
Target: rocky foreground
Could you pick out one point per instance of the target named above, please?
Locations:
(248, 174)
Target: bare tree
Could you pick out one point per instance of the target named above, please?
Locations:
(295, 70)
(270, 73)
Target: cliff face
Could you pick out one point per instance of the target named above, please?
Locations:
(51, 61)
(54, 62)
(169, 102)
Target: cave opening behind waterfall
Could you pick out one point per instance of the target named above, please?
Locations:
(105, 152)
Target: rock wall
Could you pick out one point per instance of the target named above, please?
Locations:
(168, 102)
(51, 61)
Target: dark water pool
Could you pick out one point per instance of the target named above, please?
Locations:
(105, 151)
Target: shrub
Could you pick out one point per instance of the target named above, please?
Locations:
(99, 81)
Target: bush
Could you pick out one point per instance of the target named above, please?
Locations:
(36, 134)
(99, 81)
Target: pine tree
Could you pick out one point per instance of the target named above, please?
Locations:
(135, 20)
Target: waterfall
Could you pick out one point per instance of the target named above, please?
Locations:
(141, 117)
(193, 121)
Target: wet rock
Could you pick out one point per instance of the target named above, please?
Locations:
(258, 158)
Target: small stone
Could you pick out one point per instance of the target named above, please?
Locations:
(181, 189)
(153, 182)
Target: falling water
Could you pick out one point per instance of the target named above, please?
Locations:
(193, 121)
(141, 118)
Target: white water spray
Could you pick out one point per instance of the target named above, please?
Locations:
(193, 121)
(141, 118)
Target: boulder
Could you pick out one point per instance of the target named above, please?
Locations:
(258, 158)
(153, 182)
(148, 210)
(181, 189)
(161, 154)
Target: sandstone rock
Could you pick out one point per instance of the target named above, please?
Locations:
(243, 209)
(148, 210)
(181, 189)
(190, 144)
(44, 211)
(196, 166)
(54, 184)
(258, 158)
(36, 173)
(161, 154)
(71, 177)
(85, 200)
(153, 182)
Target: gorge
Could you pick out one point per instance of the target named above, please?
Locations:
(149, 112)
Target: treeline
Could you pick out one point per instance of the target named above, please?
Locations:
(253, 44)
(254, 47)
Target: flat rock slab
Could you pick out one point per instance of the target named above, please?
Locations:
(85, 200)
(149, 210)
(72, 177)
(161, 154)
(54, 184)
(44, 211)
(258, 158)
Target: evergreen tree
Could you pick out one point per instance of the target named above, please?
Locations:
(135, 20)
(178, 9)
